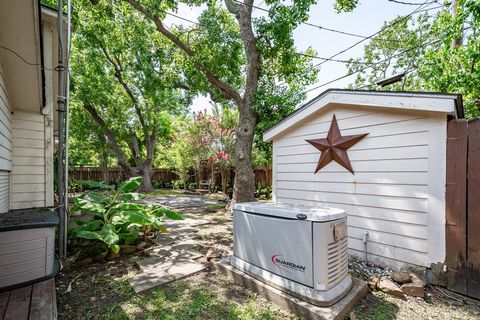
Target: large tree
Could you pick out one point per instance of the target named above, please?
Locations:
(438, 53)
(252, 63)
(125, 77)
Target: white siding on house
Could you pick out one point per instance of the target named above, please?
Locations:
(4, 191)
(5, 143)
(28, 172)
(397, 192)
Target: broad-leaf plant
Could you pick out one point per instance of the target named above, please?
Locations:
(116, 217)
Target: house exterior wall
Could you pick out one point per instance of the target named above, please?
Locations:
(5, 143)
(398, 191)
(28, 171)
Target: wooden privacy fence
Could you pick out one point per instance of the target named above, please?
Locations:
(263, 175)
(116, 174)
(463, 207)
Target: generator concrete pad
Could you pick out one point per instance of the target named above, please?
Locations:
(291, 304)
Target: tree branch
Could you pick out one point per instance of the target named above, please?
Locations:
(214, 80)
(112, 141)
(118, 74)
(243, 14)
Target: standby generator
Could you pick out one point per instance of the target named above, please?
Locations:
(298, 249)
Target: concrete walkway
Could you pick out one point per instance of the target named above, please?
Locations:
(181, 201)
(174, 255)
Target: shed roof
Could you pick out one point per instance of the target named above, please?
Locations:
(422, 101)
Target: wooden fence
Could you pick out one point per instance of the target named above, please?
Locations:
(463, 207)
(263, 175)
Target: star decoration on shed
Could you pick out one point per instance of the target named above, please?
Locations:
(334, 147)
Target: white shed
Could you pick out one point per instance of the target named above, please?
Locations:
(397, 189)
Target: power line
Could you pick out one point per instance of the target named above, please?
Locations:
(371, 65)
(299, 53)
(319, 26)
(328, 59)
(23, 59)
(410, 3)
(336, 30)
(372, 35)
(181, 18)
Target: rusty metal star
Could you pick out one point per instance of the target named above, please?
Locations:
(334, 147)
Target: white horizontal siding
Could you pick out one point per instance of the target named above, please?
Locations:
(392, 192)
(5, 143)
(5, 125)
(28, 172)
(4, 191)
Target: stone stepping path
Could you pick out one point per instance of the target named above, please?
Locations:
(168, 259)
(183, 201)
(153, 277)
(173, 256)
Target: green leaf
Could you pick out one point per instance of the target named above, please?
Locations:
(132, 196)
(89, 206)
(128, 206)
(108, 235)
(131, 184)
(136, 217)
(89, 226)
(96, 197)
(162, 229)
(172, 214)
(115, 248)
(161, 211)
(129, 237)
(89, 235)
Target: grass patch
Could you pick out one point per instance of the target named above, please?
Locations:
(204, 296)
(163, 192)
(215, 207)
(376, 306)
(379, 306)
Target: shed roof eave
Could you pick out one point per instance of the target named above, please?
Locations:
(421, 101)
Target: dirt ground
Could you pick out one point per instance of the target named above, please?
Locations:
(101, 290)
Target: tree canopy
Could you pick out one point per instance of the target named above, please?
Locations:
(251, 63)
(424, 49)
(126, 77)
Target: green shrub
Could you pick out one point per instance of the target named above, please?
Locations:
(264, 193)
(116, 218)
(178, 184)
(93, 185)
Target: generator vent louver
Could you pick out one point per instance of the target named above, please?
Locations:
(337, 261)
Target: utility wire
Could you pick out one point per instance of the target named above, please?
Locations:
(299, 53)
(340, 31)
(310, 24)
(411, 3)
(372, 35)
(372, 65)
(23, 59)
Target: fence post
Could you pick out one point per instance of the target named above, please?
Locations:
(456, 205)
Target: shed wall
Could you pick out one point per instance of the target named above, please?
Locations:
(28, 172)
(398, 191)
(5, 143)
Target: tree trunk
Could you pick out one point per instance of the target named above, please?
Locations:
(197, 175)
(458, 41)
(146, 173)
(212, 178)
(223, 174)
(244, 178)
(244, 184)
